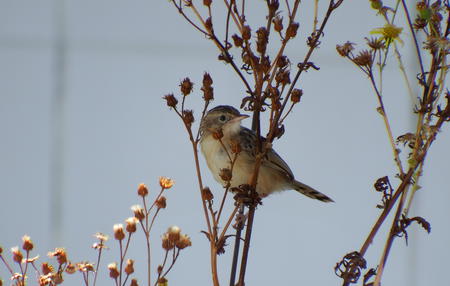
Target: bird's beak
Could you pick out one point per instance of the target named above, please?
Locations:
(239, 118)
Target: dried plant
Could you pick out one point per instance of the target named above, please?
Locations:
(271, 81)
(432, 109)
(172, 242)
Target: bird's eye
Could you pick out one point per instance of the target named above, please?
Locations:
(223, 118)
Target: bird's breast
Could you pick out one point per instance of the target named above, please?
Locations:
(215, 155)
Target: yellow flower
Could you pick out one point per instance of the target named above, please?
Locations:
(165, 182)
(389, 33)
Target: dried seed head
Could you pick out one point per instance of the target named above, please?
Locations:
(207, 80)
(235, 146)
(183, 242)
(142, 190)
(209, 24)
(17, 254)
(160, 269)
(436, 17)
(27, 243)
(1, 250)
(262, 38)
(71, 268)
(85, 267)
(375, 43)
(186, 86)
(161, 202)
(163, 281)
(102, 237)
(345, 49)
(129, 268)
(165, 183)
(296, 95)
(174, 233)
(207, 3)
(364, 59)
(131, 224)
(246, 33)
(237, 40)
(134, 282)
(171, 100)
(283, 77)
(291, 31)
(218, 134)
(225, 174)
(282, 61)
(113, 271)
(208, 93)
(46, 268)
(273, 6)
(207, 195)
(167, 244)
(60, 254)
(119, 234)
(376, 4)
(188, 117)
(278, 23)
(138, 211)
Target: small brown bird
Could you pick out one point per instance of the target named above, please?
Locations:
(274, 174)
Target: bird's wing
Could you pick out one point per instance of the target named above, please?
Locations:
(273, 160)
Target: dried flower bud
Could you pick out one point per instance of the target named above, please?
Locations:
(174, 233)
(218, 134)
(207, 195)
(188, 117)
(46, 268)
(296, 95)
(235, 146)
(207, 3)
(119, 234)
(17, 254)
(278, 23)
(131, 224)
(102, 237)
(1, 250)
(291, 31)
(376, 4)
(262, 39)
(209, 24)
(282, 61)
(208, 93)
(186, 86)
(364, 59)
(225, 174)
(167, 244)
(283, 77)
(165, 183)
(171, 100)
(60, 254)
(161, 202)
(138, 211)
(246, 33)
(134, 282)
(345, 49)
(436, 17)
(375, 43)
(160, 269)
(183, 242)
(273, 6)
(163, 281)
(129, 268)
(113, 271)
(57, 278)
(237, 40)
(27, 243)
(71, 268)
(207, 80)
(85, 267)
(142, 190)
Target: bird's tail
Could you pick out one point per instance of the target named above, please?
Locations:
(310, 192)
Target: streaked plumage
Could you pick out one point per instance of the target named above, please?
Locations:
(274, 175)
